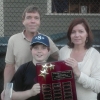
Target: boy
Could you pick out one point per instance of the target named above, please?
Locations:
(24, 80)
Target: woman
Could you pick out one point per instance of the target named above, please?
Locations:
(83, 58)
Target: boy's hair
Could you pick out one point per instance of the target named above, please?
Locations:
(32, 46)
(30, 9)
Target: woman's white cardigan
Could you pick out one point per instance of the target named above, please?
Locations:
(88, 84)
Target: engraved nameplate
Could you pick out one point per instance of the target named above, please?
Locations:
(56, 80)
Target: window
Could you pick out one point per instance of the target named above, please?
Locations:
(59, 6)
(73, 6)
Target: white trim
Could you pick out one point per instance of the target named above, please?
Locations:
(1, 19)
(49, 11)
(61, 45)
(58, 45)
(49, 8)
(74, 14)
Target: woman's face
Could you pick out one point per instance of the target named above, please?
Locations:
(78, 35)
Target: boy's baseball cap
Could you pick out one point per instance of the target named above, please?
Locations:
(40, 38)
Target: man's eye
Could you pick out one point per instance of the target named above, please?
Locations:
(28, 17)
(37, 18)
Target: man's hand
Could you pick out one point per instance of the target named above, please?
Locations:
(2, 95)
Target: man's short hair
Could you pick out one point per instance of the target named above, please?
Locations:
(30, 9)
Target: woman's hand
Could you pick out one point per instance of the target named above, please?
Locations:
(74, 64)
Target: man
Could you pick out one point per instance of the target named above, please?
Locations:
(18, 51)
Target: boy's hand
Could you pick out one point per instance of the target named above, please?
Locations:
(35, 89)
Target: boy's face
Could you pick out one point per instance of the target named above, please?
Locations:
(40, 52)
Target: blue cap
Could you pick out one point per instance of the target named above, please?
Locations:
(40, 38)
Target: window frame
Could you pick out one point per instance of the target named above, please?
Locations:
(49, 11)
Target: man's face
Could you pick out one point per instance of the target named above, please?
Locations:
(32, 22)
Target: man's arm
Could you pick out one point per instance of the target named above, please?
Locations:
(54, 51)
(8, 73)
(55, 55)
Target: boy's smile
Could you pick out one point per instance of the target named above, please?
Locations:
(40, 53)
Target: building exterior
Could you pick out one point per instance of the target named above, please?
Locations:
(53, 20)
